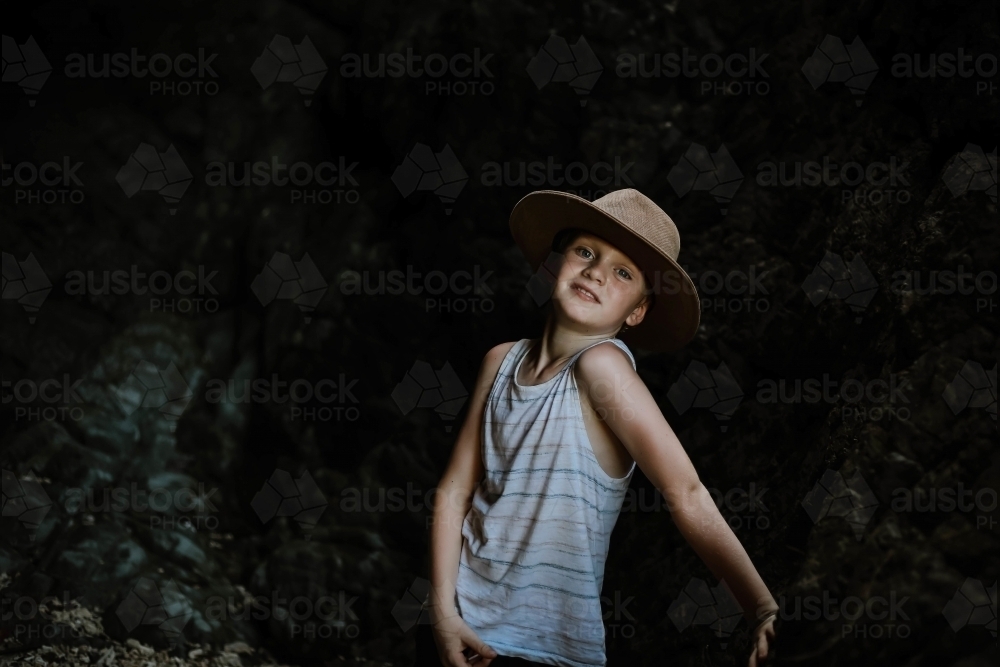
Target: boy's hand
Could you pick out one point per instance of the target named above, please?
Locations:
(762, 638)
(456, 640)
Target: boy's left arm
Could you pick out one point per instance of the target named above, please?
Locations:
(619, 396)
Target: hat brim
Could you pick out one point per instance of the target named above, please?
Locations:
(674, 319)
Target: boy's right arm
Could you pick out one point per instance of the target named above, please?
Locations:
(455, 489)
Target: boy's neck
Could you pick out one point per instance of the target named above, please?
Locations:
(557, 345)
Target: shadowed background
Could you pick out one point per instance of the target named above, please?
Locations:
(325, 502)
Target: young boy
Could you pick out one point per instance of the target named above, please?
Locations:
(555, 429)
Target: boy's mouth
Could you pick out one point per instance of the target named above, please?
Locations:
(584, 292)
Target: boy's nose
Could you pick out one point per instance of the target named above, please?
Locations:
(594, 274)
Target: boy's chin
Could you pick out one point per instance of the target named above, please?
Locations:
(589, 325)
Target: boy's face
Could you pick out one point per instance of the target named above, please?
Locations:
(598, 287)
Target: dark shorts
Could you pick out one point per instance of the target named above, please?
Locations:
(427, 655)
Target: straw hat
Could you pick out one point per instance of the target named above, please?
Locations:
(634, 224)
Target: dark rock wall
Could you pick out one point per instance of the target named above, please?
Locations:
(259, 499)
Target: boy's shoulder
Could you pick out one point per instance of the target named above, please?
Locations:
(498, 352)
(602, 361)
(492, 361)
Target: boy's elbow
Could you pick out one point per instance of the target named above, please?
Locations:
(690, 497)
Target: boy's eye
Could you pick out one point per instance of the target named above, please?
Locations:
(585, 253)
(624, 273)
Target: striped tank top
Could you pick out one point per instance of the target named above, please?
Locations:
(537, 533)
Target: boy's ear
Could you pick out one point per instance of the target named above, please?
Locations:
(639, 312)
